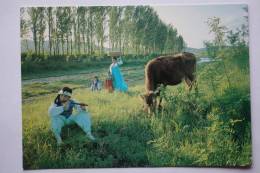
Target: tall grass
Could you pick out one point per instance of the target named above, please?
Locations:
(208, 128)
(190, 131)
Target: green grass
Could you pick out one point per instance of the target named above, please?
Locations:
(211, 128)
(129, 138)
(65, 69)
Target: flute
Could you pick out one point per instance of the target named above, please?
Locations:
(81, 104)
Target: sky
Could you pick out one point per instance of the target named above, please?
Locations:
(190, 20)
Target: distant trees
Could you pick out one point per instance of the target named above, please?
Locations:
(90, 30)
(41, 29)
(24, 28)
(50, 21)
(34, 22)
(218, 30)
(100, 16)
(231, 46)
(236, 40)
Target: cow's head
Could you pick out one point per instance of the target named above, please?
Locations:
(150, 101)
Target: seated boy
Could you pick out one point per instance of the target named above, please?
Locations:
(61, 111)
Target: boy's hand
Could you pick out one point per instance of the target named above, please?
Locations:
(83, 107)
(66, 105)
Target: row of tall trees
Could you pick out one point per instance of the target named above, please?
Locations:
(88, 30)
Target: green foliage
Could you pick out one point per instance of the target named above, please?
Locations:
(211, 49)
(36, 64)
(218, 30)
(196, 131)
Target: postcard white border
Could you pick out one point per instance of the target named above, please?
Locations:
(10, 85)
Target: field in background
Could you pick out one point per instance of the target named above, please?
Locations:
(42, 86)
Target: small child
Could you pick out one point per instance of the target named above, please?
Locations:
(60, 113)
(96, 84)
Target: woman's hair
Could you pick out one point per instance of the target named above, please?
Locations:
(57, 99)
(114, 58)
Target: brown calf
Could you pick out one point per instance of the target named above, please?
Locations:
(167, 70)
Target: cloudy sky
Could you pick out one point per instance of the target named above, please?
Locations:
(190, 20)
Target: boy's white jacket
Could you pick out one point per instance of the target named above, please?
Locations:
(55, 110)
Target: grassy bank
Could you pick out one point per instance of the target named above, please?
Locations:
(40, 87)
(39, 66)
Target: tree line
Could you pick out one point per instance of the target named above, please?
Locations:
(230, 47)
(90, 30)
(236, 40)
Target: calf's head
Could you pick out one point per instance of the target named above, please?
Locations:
(149, 101)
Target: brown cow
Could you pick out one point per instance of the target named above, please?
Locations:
(167, 70)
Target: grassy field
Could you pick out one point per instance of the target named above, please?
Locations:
(43, 86)
(211, 128)
(36, 70)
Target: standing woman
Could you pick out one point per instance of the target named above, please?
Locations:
(119, 83)
(61, 111)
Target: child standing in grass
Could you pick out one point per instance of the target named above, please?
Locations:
(61, 111)
(95, 84)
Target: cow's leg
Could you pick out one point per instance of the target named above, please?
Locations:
(189, 83)
(160, 101)
(162, 89)
(194, 82)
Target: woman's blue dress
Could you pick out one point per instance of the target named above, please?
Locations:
(119, 83)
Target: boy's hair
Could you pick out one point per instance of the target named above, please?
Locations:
(67, 89)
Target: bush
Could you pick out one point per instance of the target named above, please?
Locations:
(234, 105)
